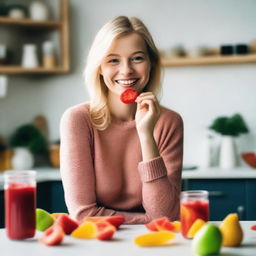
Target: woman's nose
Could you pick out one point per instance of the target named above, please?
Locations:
(126, 68)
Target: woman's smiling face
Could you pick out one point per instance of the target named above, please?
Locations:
(126, 65)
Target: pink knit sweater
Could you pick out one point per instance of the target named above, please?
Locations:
(103, 173)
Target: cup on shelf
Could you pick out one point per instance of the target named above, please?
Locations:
(29, 56)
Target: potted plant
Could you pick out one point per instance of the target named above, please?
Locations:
(229, 128)
(28, 143)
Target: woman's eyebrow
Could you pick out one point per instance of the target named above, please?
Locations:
(115, 54)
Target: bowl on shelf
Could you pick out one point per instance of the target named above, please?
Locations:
(249, 158)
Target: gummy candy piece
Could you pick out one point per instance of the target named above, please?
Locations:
(197, 225)
(114, 220)
(101, 230)
(55, 215)
(253, 227)
(54, 235)
(67, 224)
(43, 219)
(160, 224)
(86, 230)
(177, 226)
(154, 239)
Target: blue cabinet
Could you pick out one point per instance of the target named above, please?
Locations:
(227, 196)
(50, 196)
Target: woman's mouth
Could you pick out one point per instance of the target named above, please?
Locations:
(126, 82)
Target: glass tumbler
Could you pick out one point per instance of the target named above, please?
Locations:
(20, 204)
(194, 204)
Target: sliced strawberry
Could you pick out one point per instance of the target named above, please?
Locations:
(253, 227)
(129, 96)
(116, 221)
(67, 224)
(53, 235)
(160, 224)
(105, 230)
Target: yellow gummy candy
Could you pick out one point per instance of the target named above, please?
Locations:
(195, 227)
(154, 239)
(86, 230)
(177, 225)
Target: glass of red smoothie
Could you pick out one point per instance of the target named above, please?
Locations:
(194, 204)
(20, 204)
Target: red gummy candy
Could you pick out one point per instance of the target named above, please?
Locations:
(253, 227)
(129, 96)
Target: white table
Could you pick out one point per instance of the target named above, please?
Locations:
(121, 245)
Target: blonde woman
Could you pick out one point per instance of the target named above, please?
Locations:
(117, 158)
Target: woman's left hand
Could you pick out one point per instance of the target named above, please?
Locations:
(147, 113)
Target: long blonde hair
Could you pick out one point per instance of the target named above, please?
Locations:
(120, 26)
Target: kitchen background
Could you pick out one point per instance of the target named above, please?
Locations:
(198, 93)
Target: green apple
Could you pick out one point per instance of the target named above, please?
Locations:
(207, 240)
(43, 219)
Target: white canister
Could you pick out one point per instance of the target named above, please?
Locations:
(38, 11)
(22, 159)
(29, 56)
(228, 153)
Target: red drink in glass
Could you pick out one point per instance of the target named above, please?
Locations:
(193, 205)
(20, 206)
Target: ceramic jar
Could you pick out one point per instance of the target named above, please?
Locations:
(228, 152)
(29, 56)
(22, 159)
(38, 11)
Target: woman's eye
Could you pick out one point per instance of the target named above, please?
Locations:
(137, 58)
(113, 61)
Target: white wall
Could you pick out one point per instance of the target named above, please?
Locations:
(199, 94)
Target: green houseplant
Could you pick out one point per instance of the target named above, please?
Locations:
(232, 126)
(229, 128)
(29, 145)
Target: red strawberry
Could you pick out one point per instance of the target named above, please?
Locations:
(52, 236)
(129, 96)
(253, 227)
(67, 224)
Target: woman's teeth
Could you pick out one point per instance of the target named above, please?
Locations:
(126, 82)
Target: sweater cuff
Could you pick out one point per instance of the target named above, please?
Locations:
(152, 170)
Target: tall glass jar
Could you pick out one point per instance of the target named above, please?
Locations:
(194, 204)
(20, 204)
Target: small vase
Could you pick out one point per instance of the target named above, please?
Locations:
(228, 153)
(22, 159)
(29, 56)
(39, 11)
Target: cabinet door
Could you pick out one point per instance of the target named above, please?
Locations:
(57, 197)
(43, 196)
(226, 196)
(251, 199)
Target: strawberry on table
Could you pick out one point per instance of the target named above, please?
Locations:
(67, 224)
(161, 224)
(116, 221)
(52, 236)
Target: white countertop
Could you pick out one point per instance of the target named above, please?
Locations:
(53, 174)
(122, 244)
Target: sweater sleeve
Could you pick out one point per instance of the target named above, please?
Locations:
(161, 176)
(77, 169)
